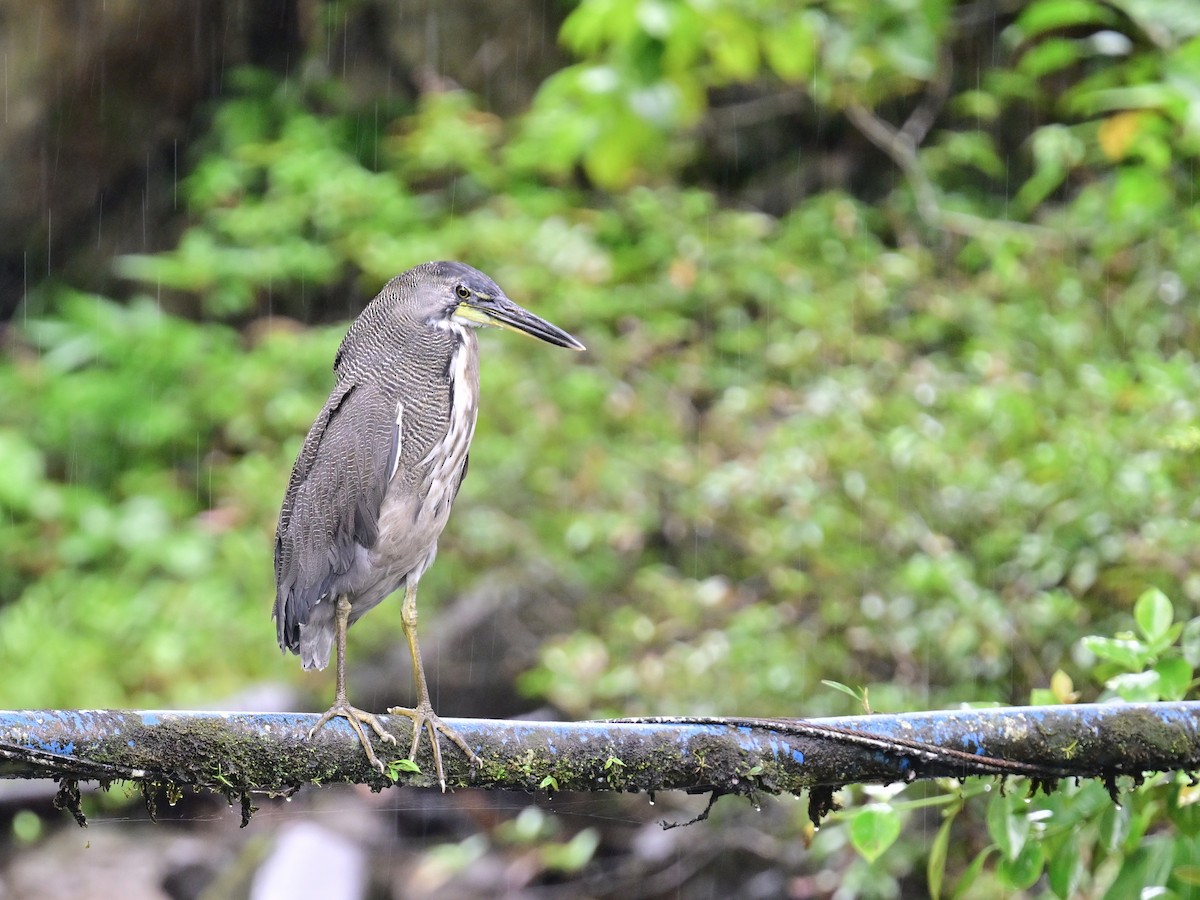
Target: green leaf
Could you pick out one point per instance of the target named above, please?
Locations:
(1147, 867)
(1136, 687)
(396, 766)
(1190, 642)
(733, 43)
(1114, 826)
(1052, 15)
(845, 688)
(979, 104)
(973, 148)
(1020, 873)
(573, 855)
(1174, 677)
(21, 473)
(971, 874)
(873, 829)
(859, 694)
(1139, 196)
(1187, 874)
(1129, 654)
(935, 868)
(791, 49)
(1153, 613)
(1088, 102)
(1066, 869)
(1007, 826)
(1050, 56)
(591, 26)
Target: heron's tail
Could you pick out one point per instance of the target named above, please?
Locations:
(316, 636)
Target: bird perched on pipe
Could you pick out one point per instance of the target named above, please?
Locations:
(372, 486)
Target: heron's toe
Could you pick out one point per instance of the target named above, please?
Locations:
(356, 718)
(424, 718)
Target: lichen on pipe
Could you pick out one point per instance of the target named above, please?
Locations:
(243, 753)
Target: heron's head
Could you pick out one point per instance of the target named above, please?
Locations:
(451, 292)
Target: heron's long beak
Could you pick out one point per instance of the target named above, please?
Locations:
(503, 313)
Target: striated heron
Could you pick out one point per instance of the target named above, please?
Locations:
(372, 486)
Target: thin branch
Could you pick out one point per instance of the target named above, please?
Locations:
(915, 129)
(901, 145)
(757, 110)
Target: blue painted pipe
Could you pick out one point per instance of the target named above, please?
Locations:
(271, 751)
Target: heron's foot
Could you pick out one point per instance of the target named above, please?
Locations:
(357, 718)
(425, 719)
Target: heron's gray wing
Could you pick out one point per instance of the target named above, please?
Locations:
(333, 499)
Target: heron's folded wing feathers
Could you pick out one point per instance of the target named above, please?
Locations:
(333, 500)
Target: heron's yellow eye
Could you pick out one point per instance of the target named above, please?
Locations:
(463, 292)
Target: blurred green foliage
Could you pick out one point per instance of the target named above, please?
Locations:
(1074, 841)
(826, 446)
(143, 457)
(648, 66)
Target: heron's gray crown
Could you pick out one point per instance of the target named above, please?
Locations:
(433, 291)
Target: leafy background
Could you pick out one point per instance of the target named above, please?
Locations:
(918, 431)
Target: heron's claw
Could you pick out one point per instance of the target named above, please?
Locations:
(425, 719)
(357, 718)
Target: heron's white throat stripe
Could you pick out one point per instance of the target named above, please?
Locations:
(399, 436)
(448, 453)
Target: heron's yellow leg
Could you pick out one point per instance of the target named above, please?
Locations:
(341, 706)
(422, 715)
